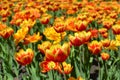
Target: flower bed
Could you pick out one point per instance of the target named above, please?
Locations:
(59, 40)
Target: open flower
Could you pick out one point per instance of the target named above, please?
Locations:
(45, 45)
(59, 28)
(81, 25)
(20, 35)
(70, 24)
(105, 42)
(51, 34)
(113, 45)
(67, 68)
(6, 32)
(57, 52)
(2, 26)
(80, 38)
(49, 65)
(24, 57)
(116, 29)
(95, 47)
(105, 56)
(32, 39)
(27, 23)
(45, 18)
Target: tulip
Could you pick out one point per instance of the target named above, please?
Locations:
(81, 25)
(51, 34)
(20, 35)
(116, 29)
(32, 39)
(57, 52)
(80, 38)
(45, 45)
(45, 18)
(105, 56)
(105, 42)
(70, 24)
(2, 26)
(95, 47)
(67, 68)
(6, 32)
(49, 65)
(24, 57)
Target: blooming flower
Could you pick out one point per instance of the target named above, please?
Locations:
(113, 45)
(45, 18)
(32, 39)
(67, 68)
(57, 52)
(95, 47)
(6, 32)
(70, 23)
(105, 42)
(20, 35)
(105, 56)
(2, 26)
(59, 25)
(81, 25)
(49, 65)
(24, 57)
(116, 29)
(45, 45)
(80, 38)
(51, 34)
(27, 23)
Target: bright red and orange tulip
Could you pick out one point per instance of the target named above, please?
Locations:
(45, 45)
(32, 39)
(80, 38)
(57, 52)
(105, 56)
(95, 47)
(24, 57)
(6, 32)
(49, 65)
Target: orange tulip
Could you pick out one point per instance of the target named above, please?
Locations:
(95, 47)
(116, 29)
(20, 35)
(81, 25)
(94, 33)
(59, 25)
(51, 34)
(67, 68)
(32, 39)
(105, 56)
(45, 45)
(49, 65)
(2, 26)
(105, 42)
(24, 57)
(105, 35)
(70, 23)
(6, 32)
(57, 52)
(108, 23)
(45, 18)
(80, 38)
(102, 30)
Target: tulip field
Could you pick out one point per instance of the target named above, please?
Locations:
(59, 40)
